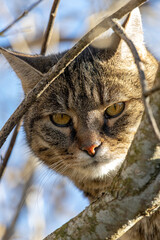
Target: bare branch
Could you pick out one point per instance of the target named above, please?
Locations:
(9, 150)
(50, 24)
(20, 17)
(59, 68)
(120, 31)
(10, 230)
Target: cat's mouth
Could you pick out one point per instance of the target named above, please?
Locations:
(98, 168)
(95, 163)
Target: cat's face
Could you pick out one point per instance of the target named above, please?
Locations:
(85, 122)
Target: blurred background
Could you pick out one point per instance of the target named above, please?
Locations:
(34, 200)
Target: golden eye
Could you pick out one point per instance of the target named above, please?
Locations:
(61, 120)
(114, 110)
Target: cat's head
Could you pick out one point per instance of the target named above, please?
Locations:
(83, 124)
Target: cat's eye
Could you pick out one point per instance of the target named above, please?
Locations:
(114, 110)
(61, 120)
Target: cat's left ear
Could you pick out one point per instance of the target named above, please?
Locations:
(25, 68)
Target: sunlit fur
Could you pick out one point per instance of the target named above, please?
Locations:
(95, 80)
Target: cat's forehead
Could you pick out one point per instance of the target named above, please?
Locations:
(90, 82)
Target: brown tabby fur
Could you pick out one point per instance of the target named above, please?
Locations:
(96, 79)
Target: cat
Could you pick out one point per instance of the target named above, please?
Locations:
(83, 124)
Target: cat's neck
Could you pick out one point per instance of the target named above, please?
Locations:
(93, 188)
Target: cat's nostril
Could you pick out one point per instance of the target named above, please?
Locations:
(91, 150)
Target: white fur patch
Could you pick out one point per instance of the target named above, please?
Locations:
(99, 166)
(104, 169)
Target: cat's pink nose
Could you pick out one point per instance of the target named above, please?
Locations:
(91, 150)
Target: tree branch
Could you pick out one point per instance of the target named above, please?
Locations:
(20, 17)
(50, 24)
(59, 68)
(9, 150)
(10, 229)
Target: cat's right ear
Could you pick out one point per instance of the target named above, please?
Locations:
(132, 24)
(23, 67)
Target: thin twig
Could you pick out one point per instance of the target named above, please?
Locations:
(10, 230)
(56, 70)
(9, 150)
(120, 31)
(20, 17)
(50, 24)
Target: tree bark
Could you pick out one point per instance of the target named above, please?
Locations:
(135, 191)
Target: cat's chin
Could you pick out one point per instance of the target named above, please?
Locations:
(99, 169)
